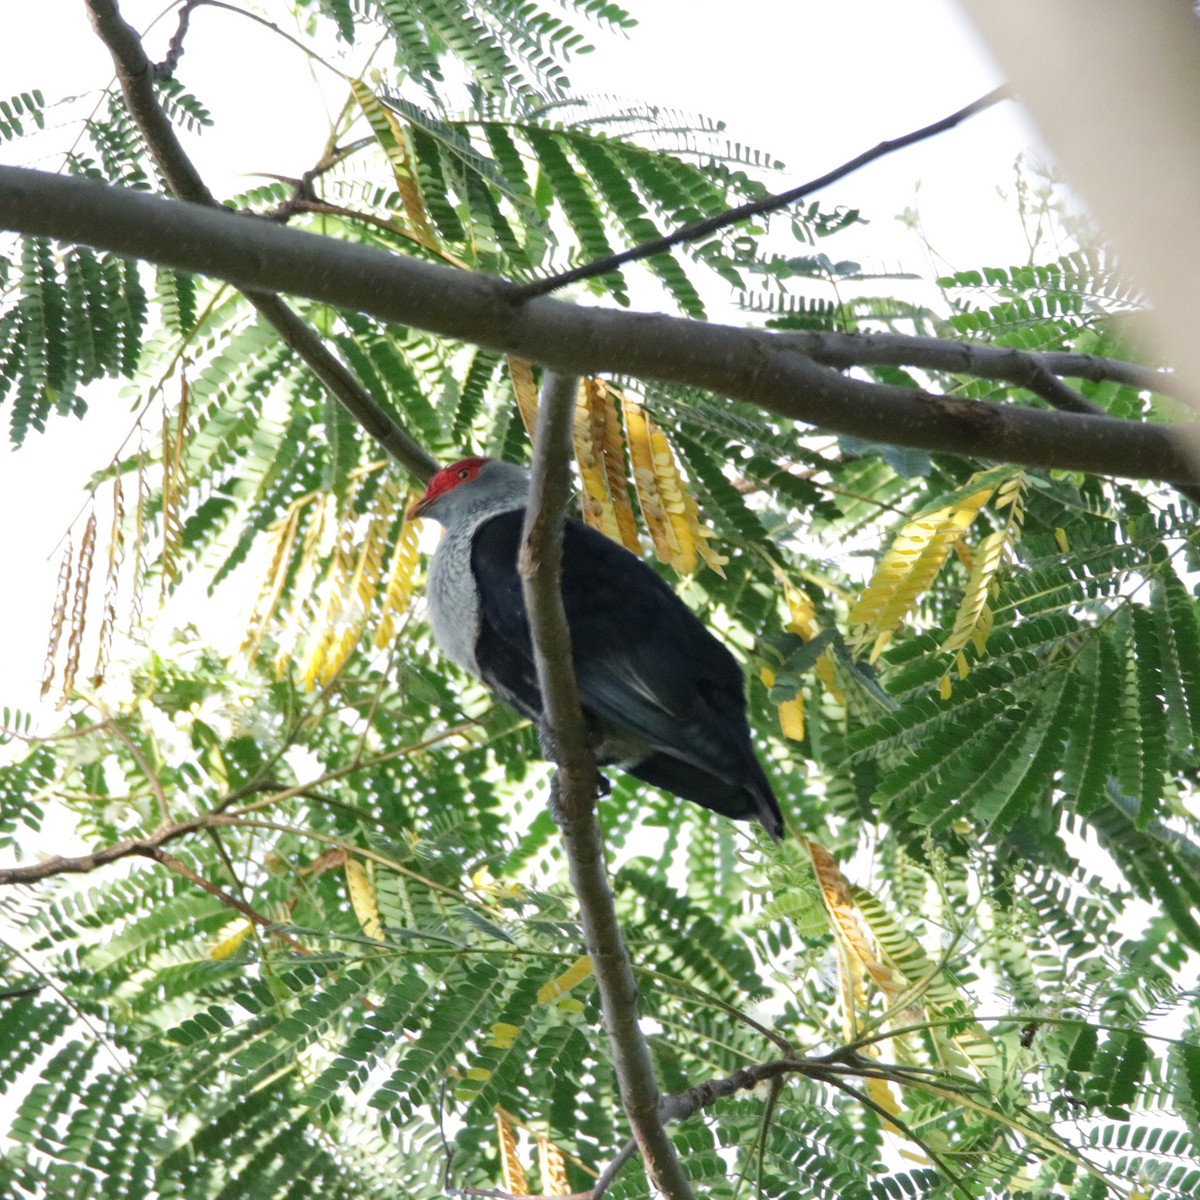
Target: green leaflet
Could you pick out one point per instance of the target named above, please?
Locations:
(1091, 746)
(959, 1040)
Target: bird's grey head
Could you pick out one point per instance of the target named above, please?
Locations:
(472, 488)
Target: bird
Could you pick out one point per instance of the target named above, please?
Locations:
(663, 699)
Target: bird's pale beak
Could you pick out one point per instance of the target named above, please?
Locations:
(417, 511)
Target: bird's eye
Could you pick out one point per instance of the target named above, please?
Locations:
(465, 473)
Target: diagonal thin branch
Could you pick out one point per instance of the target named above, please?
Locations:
(135, 73)
(540, 567)
(884, 1114)
(757, 208)
(753, 365)
(164, 807)
(609, 1176)
(163, 858)
(1025, 368)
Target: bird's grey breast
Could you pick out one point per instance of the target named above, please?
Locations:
(454, 599)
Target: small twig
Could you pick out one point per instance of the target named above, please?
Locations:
(1037, 372)
(754, 208)
(278, 30)
(79, 1012)
(152, 779)
(226, 861)
(63, 735)
(219, 816)
(1021, 367)
(324, 208)
(685, 1104)
(904, 1128)
(280, 792)
(19, 993)
(540, 567)
(237, 821)
(447, 1148)
(166, 68)
(683, 985)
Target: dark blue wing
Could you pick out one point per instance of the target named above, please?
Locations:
(648, 668)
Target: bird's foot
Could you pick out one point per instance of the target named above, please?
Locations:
(558, 792)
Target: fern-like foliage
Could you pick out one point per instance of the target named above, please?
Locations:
(325, 944)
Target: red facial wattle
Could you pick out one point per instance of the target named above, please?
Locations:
(446, 480)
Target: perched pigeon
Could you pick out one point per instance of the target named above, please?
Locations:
(663, 698)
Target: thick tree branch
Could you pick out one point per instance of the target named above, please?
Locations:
(540, 567)
(747, 364)
(136, 74)
(757, 208)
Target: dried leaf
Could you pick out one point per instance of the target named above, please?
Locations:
(671, 514)
(852, 939)
(393, 140)
(503, 1035)
(358, 590)
(880, 1090)
(236, 934)
(326, 861)
(552, 1167)
(600, 453)
(327, 642)
(174, 485)
(398, 590)
(525, 391)
(140, 535)
(516, 1182)
(298, 618)
(606, 433)
(974, 620)
(907, 570)
(281, 539)
(791, 712)
(362, 897)
(701, 534)
(802, 621)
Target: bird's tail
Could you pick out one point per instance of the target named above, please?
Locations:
(764, 806)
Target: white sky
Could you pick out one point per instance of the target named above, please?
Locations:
(873, 69)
